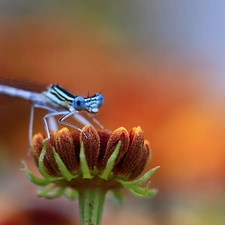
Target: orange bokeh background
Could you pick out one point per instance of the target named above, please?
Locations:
(167, 96)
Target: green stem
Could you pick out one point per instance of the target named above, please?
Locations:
(91, 201)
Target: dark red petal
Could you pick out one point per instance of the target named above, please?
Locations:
(119, 134)
(49, 160)
(65, 149)
(76, 143)
(104, 137)
(91, 144)
(133, 154)
(144, 160)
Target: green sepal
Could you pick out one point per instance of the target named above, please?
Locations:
(42, 167)
(86, 174)
(110, 163)
(138, 182)
(64, 171)
(31, 177)
(143, 192)
(36, 180)
(47, 192)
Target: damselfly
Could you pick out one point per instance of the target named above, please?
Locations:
(57, 101)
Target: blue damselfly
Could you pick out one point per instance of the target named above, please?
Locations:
(57, 101)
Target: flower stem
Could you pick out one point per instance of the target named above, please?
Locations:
(91, 201)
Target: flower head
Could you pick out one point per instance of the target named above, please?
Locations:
(72, 161)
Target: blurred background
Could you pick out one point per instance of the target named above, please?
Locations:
(159, 64)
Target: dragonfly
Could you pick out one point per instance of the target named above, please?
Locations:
(57, 101)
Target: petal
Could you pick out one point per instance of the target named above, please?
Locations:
(76, 144)
(104, 137)
(49, 159)
(133, 154)
(91, 142)
(119, 134)
(65, 149)
(49, 162)
(144, 160)
(37, 145)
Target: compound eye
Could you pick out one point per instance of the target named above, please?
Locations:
(79, 103)
(100, 100)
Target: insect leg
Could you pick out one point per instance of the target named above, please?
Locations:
(70, 113)
(30, 131)
(51, 115)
